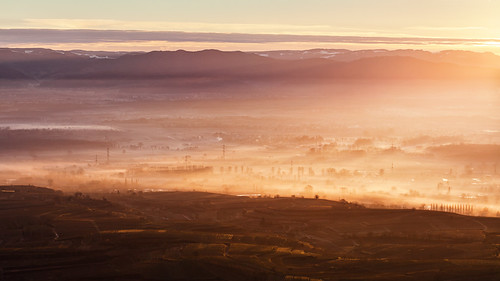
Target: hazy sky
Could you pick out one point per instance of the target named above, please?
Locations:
(457, 19)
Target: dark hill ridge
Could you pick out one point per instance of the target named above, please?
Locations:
(9, 73)
(204, 236)
(26, 189)
(159, 64)
(39, 63)
(43, 64)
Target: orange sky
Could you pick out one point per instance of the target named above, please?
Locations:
(457, 19)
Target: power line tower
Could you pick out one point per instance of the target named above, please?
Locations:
(223, 152)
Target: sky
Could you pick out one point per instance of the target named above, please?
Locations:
(251, 25)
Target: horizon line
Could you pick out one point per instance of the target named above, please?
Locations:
(151, 40)
(268, 50)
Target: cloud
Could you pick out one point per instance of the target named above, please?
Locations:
(448, 28)
(123, 40)
(57, 36)
(108, 24)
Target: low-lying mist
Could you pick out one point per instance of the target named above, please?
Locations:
(407, 144)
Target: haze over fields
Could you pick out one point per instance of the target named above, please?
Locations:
(378, 127)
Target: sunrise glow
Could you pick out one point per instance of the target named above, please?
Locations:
(250, 140)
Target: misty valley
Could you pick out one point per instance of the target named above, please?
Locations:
(398, 144)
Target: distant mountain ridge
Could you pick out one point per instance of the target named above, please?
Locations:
(50, 65)
(460, 57)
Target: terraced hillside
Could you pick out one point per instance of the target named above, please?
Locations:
(47, 235)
